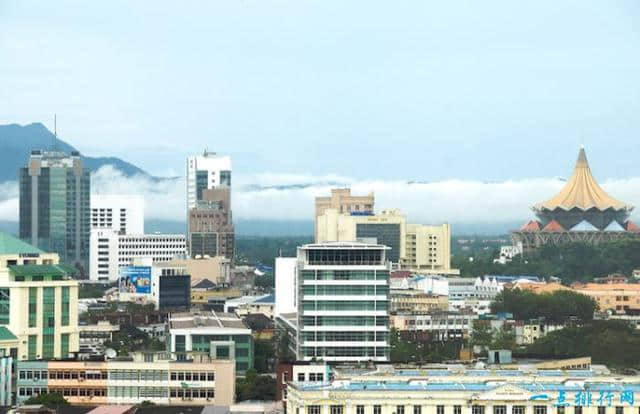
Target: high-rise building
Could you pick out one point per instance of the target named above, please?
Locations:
(54, 205)
(417, 247)
(209, 219)
(342, 201)
(211, 231)
(205, 172)
(38, 302)
(122, 213)
(341, 302)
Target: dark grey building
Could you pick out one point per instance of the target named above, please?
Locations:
(386, 234)
(174, 292)
(55, 213)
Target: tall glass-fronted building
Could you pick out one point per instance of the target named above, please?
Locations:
(54, 205)
(343, 302)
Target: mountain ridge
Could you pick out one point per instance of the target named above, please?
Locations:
(17, 141)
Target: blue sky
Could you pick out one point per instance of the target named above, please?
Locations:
(422, 90)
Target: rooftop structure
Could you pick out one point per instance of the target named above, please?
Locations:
(222, 335)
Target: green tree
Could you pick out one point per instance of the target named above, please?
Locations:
(503, 338)
(481, 335)
(255, 387)
(557, 307)
(50, 400)
(613, 343)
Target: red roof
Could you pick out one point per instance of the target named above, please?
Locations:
(531, 225)
(400, 274)
(631, 226)
(553, 226)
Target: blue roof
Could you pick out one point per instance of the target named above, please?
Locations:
(267, 299)
(464, 386)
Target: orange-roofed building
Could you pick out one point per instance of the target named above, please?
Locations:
(631, 226)
(553, 227)
(618, 297)
(540, 287)
(531, 225)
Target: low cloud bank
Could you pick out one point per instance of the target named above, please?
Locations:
(290, 197)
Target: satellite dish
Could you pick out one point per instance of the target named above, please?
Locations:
(110, 353)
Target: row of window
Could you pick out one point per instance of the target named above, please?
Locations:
(356, 351)
(345, 321)
(193, 376)
(313, 377)
(345, 336)
(67, 392)
(61, 375)
(335, 305)
(457, 409)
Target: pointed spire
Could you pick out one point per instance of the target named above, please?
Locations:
(582, 159)
(582, 191)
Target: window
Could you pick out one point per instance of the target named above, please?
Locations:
(619, 410)
(560, 410)
(301, 377)
(539, 409)
(499, 409)
(457, 409)
(601, 410)
(417, 409)
(578, 410)
(313, 409)
(336, 409)
(360, 409)
(440, 409)
(400, 409)
(477, 409)
(377, 409)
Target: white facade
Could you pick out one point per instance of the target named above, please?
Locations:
(215, 166)
(344, 312)
(431, 284)
(108, 251)
(122, 213)
(286, 283)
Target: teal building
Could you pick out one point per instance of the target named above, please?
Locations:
(54, 205)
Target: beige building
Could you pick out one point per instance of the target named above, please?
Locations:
(38, 302)
(216, 269)
(417, 301)
(618, 297)
(162, 378)
(342, 201)
(416, 247)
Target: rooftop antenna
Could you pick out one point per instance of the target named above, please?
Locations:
(55, 132)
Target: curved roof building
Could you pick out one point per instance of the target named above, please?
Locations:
(581, 212)
(582, 200)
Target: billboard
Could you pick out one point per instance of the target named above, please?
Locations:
(135, 279)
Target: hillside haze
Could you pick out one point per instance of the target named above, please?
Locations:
(17, 142)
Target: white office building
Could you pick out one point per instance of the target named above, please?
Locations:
(122, 213)
(204, 172)
(342, 302)
(110, 250)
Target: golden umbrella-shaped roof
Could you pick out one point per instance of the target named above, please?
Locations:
(582, 192)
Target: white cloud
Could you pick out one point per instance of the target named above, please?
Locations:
(290, 196)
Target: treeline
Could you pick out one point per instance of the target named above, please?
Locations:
(556, 307)
(571, 262)
(613, 343)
